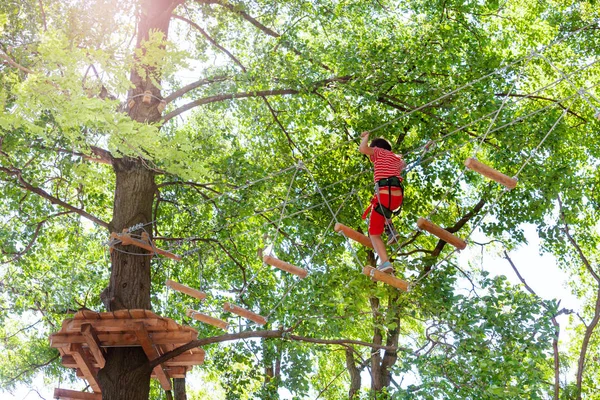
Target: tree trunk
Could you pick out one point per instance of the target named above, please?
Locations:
(126, 375)
(179, 389)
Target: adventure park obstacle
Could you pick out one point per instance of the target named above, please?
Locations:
(83, 339)
(284, 266)
(207, 319)
(242, 312)
(185, 289)
(385, 278)
(145, 243)
(352, 234)
(489, 172)
(441, 233)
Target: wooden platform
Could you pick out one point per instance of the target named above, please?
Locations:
(83, 339)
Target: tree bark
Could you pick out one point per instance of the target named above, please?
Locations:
(179, 389)
(126, 375)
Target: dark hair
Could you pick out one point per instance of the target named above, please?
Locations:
(381, 143)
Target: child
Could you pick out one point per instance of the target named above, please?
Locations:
(388, 193)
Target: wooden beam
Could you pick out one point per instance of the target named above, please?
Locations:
(127, 240)
(489, 172)
(118, 325)
(86, 367)
(352, 234)
(187, 359)
(151, 353)
(259, 319)
(94, 344)
(385, 278)
(207, 319)
(108, 339)
(186, 290)
(284, 266)
(66, 394)
(441, 233)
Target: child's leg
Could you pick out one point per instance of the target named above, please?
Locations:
(379, 247)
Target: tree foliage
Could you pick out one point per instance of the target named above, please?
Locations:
(251, 133)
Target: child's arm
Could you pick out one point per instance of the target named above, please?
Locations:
(364, 144)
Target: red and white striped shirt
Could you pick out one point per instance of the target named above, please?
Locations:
(386, 164)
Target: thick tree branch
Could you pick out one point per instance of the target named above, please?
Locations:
(281, 334)
(258, 93)
(263, 28)
(34, 238)
(211, 40)
(582, 256)
(194, 85)
(54, 200)
(13, 63)
(354, 373)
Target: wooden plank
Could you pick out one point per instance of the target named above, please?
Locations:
(441, 233)
(122, 314)
(385, 278)
(84, 364)
(186, 290)
(174, 372)
(284, 266)
(58, 340)
(127, 240)
(137, 313)
(117, 325)
(259, 319)
(354, 235)
(152, 354)
(187, 359)
(207, 319)
(66, 394)
(489, 172)
(107, 315)
(93, 344)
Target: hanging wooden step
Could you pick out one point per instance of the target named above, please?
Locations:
(385, 278)
(207, 319)
(354, 235)
(242, 312)
(489, 172)
(185, 289)
(443, 234)
(144, 243)
(66, 394)
(284, 266)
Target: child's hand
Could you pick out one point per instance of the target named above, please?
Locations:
(364, 134)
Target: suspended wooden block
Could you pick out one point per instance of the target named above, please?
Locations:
(161, 106)
(242, 312)
(443, 234)
(385, 278)
(354, 235)
(284, 266)
(131, 103)
(491, 173)
(186, 290)
(147, 97)
(127, 240)
(66, 394)
(207, 319)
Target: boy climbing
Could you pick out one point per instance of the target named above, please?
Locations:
(388, 194)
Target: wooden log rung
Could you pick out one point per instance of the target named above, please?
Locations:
(207, 319)
(352, 234)
(242, 312)
(127, 240)
(441, 233)
(185, 289)
(386, 278)
(489, 172)
(284, 266)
